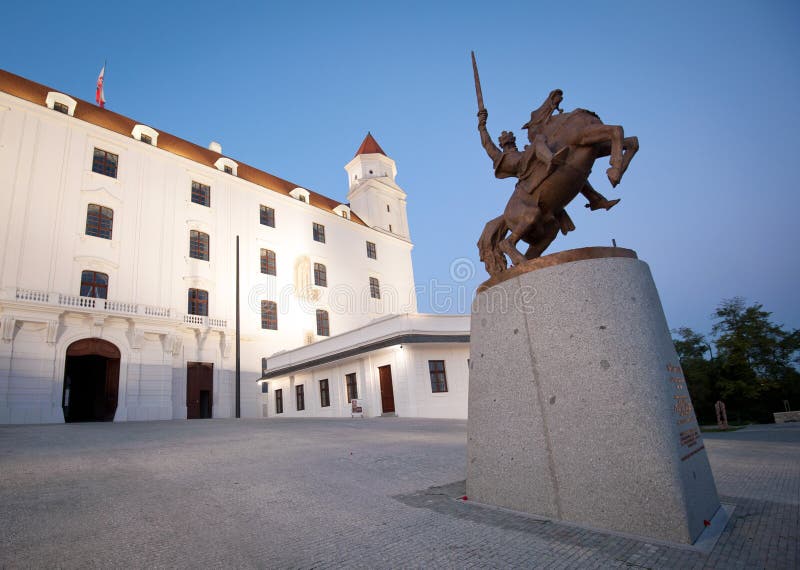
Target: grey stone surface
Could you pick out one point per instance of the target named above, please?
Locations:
(337, 494)
(575, 405)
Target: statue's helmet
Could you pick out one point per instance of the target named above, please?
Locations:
(546, 109)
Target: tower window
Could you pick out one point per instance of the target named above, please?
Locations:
(99, 221)
(198, 245)
(323, 325)
(372, 252)
(268, 266)
(390, 227)
(269, 315)
(267, 216)
(105, 162)
(374, 288)
(387, 208)
(94, 284)
(198, 302)
(319, 232)
(201, 194)
(320, 275)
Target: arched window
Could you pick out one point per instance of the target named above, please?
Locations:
(320, 275)
(94, 284)
(198, 245)
(99, 221)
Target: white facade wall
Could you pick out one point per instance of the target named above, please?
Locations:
(46, 183)
(413, 396)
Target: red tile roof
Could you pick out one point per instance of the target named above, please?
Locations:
(91, 113)
(369, 146)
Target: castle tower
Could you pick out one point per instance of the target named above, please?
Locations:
(374, 195)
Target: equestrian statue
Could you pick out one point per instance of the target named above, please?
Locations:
(551, 170)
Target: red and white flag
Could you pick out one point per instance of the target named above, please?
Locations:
(100, 95)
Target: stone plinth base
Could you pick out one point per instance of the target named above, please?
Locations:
(578, 410)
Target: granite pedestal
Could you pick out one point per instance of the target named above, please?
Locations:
(578, 409)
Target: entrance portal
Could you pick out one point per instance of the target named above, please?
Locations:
(199, 390)
(91, 381)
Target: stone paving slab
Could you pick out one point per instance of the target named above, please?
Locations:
(375, 493)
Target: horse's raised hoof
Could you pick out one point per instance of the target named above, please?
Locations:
(614, 175)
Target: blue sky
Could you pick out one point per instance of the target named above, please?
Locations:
(710, 88)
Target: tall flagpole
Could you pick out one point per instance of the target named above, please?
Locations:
(238, 338)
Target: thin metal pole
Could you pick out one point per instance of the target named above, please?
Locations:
(238, 338)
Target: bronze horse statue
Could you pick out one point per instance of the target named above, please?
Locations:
(551, 171)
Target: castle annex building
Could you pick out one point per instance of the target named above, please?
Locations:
(117, 266)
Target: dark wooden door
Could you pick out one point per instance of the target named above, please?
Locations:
(199, 390)
(387, 392)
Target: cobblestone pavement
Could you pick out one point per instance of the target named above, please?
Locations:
(374, 493)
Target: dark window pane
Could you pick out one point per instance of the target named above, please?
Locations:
(198, 245)
(438, 376)
(372, 252)
(319, 232)
(227, 169)
(279, 401)
(268, 266)
(269, 315)
(61, 108)
(99, 221)
(198, 302)
(374, 288)
(320, 275)
(94, 284)
(300, 397)
(146, 139)
(105, 162)
(267, 216)
(323, 327)
(201, 194)
(324, 394)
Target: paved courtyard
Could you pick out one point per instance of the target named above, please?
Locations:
(375, 493)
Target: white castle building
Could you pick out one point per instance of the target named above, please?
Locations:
(118, 279)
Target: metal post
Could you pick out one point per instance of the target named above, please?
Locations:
(238, 338)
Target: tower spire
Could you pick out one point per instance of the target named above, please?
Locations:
(369, 146)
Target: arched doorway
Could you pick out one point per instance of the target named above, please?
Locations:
(91, 381)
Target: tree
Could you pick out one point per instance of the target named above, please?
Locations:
(753, 368)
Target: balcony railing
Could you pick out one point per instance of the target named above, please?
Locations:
(95, 305)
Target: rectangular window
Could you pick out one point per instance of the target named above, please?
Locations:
(198, 245)
(352, 387)
(268, 262)
(324, 393)
(320, 275)
(374, 288)
(99, 221)
(201, 194)
(61, 108)
(438, 376)
(372, 252)
(319, 233)
(198, 302)
(105, 162)
(300, 398)
(265, 388)
(279, 401)
(94, 284)
(227, 169)
(269, 315)
(323, 326)
(146, 138)
(267, 216)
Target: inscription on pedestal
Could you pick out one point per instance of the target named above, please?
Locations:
(689, 438)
